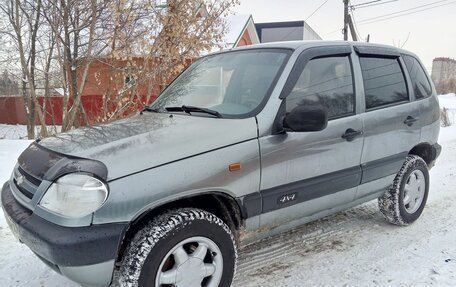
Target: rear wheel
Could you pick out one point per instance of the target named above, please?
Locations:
(182, 248)
(404, 201)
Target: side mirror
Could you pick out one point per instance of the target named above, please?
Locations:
(306, 119)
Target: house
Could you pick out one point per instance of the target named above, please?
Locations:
(243, 31)
(285, 31)
(107, 78)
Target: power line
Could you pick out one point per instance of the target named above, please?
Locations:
(402, 11)
(398, 13)
(405, 14)
(332, 32)
(365, 3)
(315, 11)
(361, 5)
(356, 26)
(375, 4)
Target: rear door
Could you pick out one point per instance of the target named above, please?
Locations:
(308, 173)
(391, 118)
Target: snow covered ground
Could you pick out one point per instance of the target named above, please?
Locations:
(352, 248)
(448, 102)
(15, 132)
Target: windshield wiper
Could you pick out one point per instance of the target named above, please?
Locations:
(150, 109)
(191, 109)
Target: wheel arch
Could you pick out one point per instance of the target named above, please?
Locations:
(221, 204)
(425, 151)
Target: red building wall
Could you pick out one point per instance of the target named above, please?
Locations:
(12, 109)
(106, 77)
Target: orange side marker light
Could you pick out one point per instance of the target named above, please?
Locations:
(235, 166)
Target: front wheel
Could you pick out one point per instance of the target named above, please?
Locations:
(182, 248)
(404, 201)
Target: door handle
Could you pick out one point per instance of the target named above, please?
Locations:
(351, 134)
(409, 121)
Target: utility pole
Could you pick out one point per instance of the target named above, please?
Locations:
(346, 2)
(348, 22)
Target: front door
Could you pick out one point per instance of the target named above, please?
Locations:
(309, 173)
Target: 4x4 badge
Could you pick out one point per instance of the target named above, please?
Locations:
(287, 198)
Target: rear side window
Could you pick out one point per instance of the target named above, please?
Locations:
(327, 82)
(384, 82)
(420, 82)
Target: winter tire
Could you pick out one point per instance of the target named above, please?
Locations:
(182, 248)
(404, 201)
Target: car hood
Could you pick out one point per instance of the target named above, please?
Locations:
(145, 141)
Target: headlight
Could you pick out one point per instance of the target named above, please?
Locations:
(75, 195)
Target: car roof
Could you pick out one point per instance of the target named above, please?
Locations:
(301, 45)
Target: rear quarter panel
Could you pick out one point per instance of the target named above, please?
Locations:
(430, 119)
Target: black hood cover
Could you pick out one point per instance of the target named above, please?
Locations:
(45, 164)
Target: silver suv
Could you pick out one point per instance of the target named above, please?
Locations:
(244, 144)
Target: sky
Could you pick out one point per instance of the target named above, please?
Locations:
(429, 34)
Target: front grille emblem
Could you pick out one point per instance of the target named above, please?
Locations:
(20, 180)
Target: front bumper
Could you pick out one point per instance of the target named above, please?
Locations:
(84, 254)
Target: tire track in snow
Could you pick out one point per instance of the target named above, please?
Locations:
(281, 251)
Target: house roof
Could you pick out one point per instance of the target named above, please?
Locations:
(237, 25)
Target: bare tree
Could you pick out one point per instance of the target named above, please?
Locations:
(444, 117)
(8, 85)
(77, 27)
(144, 45)
(150, 44)
(24, 19)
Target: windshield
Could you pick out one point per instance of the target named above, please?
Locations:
(234, 84)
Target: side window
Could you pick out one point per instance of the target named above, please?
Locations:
(420, 82)
(384, 81)
(327, 82)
